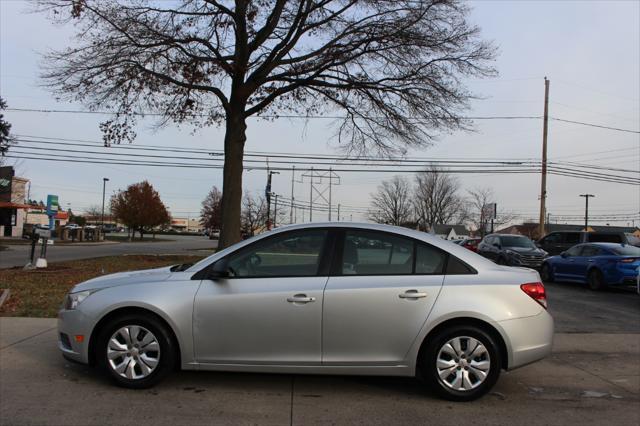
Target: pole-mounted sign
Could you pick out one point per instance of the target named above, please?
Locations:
(52, 209)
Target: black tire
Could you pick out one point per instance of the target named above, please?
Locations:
(596, 280)
(546, 274)
(429, 370)
(167, 354)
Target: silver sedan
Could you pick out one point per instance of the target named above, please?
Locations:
(327, 298)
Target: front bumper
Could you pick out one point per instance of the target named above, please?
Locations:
(73, 323)
(530, 338)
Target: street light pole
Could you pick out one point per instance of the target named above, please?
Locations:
(104, 187)
(586, 209)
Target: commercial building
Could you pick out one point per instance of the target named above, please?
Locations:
(13, 206)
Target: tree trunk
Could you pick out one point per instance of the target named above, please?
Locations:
(234, 141)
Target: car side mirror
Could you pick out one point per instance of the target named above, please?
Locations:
(220, 269)
(564, 254)
(497, 245)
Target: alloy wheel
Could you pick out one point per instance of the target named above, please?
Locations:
(133, 352)
(463, 363)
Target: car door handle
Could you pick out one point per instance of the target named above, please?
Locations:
(300, 298)
(412, 294)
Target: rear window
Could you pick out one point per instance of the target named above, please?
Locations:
(626, 251)
(604, 238)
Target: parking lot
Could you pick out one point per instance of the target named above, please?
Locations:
(593, 377)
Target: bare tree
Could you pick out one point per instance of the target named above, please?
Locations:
(437, 200)
(481, 213)
(211, 211)
(254, 214)
(393, 68)
(391, 204)
(93, 212)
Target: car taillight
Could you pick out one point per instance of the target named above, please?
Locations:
(628, 260)
(536, 292)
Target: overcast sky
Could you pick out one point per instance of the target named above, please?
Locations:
(589, 50)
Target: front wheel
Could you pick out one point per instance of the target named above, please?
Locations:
(137, 351)
(595, 280)
(546, 274)
(461, 363)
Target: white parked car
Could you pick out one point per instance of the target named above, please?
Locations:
(332, 298)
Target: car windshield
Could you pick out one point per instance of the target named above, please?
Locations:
(517, 242)
(626, 251)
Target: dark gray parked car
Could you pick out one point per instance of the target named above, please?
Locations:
(555, 243)
(511, 250)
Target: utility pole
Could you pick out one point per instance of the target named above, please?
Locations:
(311, 196)
(586, 209)
(543, 185)
(338, 212)
(104, 187)
(293, 173)
(330, 173)
(275, 209)
(267, 194)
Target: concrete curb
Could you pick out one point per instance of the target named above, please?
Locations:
(4, 295)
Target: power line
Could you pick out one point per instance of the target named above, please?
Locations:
(271, 116)
(329, 117)
(373, 162)
(595, 125)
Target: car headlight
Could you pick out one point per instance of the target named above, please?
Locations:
(74, 299)
(512, 253)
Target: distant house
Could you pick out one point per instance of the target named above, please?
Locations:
(450, 232)
(531, 229)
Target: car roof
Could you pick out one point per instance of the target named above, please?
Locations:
(462, 253)
(605, 245)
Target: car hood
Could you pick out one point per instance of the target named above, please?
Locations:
(524, 250)
(125, 278)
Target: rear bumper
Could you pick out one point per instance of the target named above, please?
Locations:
(530, 339)
(623, 277)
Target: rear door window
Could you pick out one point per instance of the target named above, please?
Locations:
(376, 253)
(590, 251)
(429, 260)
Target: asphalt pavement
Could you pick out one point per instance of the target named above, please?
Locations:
(590, 379)
(18, 255)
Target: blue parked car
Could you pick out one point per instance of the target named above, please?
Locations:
(596, 264)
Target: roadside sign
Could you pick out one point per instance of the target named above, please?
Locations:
(52, 204)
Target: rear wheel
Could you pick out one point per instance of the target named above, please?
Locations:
(546, 274)
(461, 363)
(137, 351)
(595, 280)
